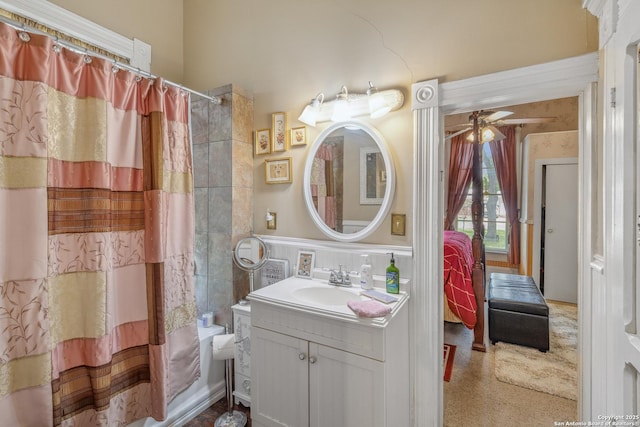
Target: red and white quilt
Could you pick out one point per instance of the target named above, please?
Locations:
(458, 286)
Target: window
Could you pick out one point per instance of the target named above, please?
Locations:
(495, 217)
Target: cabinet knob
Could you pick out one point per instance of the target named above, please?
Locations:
(312, 360)
(302, 356)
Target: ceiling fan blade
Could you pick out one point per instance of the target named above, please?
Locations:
(524, 121)
(497, 116)
(459, 126)
(457, 133)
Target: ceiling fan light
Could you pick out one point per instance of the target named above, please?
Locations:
(471, 137)
(487, 135)
(492, 133)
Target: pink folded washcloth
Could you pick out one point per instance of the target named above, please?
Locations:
(369, 308)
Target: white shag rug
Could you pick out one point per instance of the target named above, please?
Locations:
(554, 372)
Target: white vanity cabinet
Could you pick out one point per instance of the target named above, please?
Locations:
(317, 369)
(242, 360)
(301, 383)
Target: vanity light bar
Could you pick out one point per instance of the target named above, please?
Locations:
(359, 105)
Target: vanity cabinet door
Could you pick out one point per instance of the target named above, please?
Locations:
(280, 380)
(345, 389)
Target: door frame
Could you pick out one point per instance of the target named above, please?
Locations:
(536, 235)
(430, 100)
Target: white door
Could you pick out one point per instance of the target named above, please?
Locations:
(561, 233)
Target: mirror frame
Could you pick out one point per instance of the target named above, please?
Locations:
(387, 200)
(240, 262)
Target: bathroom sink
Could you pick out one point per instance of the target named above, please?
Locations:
(316, 296)
(326, 295)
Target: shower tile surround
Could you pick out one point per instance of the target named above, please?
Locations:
(223, 181)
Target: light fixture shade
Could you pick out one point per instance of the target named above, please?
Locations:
(309, 115)
(378, 105)
(341, 109)
(487, 134)
(374, 104)
(491, 133)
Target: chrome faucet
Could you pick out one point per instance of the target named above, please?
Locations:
(339, 278)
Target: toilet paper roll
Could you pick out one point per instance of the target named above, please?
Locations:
(224, 346)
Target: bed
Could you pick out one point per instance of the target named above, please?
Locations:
(460, 301)
(462, 294)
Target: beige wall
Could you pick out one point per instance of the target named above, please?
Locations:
(156, 22)
(286, 51)
(543, 146)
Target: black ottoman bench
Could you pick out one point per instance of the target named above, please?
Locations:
(518, 313)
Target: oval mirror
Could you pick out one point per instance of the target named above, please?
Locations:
(349, 181)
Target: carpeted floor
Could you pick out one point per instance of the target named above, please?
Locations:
(475, 397)
(554, 372)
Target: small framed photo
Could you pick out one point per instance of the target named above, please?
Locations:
(262, 142)
(398, 224)
(298, 136)
(278, 132)
(304, 264)
(277, 171)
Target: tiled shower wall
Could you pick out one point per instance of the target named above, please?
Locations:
(223, 179)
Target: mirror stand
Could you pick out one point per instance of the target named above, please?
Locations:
(250, 254)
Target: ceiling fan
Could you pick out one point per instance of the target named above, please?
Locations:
(487, 122)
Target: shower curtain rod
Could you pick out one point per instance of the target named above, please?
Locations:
(82, 50)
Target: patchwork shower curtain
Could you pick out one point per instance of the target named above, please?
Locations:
(97, 303)
(327, 182)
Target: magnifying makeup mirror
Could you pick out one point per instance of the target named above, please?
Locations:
(250, 254)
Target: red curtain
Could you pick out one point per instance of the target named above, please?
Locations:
(504, 160)
(460, 168)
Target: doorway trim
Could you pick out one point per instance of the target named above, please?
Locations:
(536, 235)
(575, 76)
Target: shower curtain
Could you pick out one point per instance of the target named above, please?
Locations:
(97, 302)
(327, 182)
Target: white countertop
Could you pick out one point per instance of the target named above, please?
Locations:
(282, 294)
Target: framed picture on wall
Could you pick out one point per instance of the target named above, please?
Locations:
(278, 132)
(277, 171)
(262, 141)
(298, 136)
(304, 264)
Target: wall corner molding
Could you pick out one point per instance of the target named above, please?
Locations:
(59, 19)
(424, 94)
(607, 12)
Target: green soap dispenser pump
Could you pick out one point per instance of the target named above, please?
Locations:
(393, 277)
